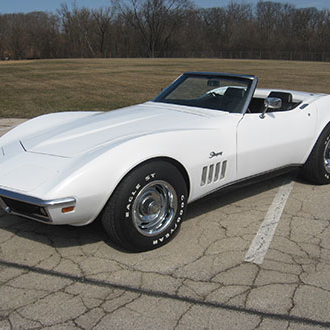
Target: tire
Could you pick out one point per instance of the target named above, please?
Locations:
(146, 209)
(317, 166)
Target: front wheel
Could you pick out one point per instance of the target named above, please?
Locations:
(317, 166)
(146, 209)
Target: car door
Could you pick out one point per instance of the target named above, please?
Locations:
(279, 139)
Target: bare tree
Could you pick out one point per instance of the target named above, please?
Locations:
(215, 28)
(77, 28)
(155, 20)
(138, 28)
(103, 18)
(42, 34)
(3, 34)
(17, 35)
(240, 25)
(305, 23)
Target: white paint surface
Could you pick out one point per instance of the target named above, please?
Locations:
(262, 240)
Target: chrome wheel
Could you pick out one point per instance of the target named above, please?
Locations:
(154, 208)
(326, 157)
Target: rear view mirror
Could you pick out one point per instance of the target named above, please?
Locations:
(213, 83)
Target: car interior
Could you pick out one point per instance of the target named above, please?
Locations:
(257, 104)
(233, 99)
(230, 101)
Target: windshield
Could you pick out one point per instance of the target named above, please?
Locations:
(226, 93)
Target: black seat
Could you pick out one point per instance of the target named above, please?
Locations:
(234, 92)
(287, 99)
(232, 99)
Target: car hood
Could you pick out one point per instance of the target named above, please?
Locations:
(80, 135)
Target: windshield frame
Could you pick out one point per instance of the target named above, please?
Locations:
(249, 80)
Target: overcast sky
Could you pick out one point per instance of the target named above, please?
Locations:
(14, 6)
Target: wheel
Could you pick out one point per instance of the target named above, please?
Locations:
(146, 209)
(317, 166)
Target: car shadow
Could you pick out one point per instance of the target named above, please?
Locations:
(68, 236)
(238, 192)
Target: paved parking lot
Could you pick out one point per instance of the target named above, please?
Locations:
(66, 277)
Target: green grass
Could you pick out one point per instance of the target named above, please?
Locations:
(31, 88)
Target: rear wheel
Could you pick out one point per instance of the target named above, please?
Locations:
(317, 166)
(146, 209)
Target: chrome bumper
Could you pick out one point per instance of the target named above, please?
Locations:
(31, 207)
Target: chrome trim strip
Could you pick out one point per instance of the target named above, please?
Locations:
(36, 201)
(31, 217)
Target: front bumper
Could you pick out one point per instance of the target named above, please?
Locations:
(32, 207)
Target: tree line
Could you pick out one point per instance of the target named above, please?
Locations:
(168, 28)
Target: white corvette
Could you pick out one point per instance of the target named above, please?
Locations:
(140, 166)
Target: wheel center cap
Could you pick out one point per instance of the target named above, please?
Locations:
(150, 207)
(153, 207)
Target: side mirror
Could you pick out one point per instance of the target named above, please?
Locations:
(271, 103)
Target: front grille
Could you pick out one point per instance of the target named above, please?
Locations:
(25, 209)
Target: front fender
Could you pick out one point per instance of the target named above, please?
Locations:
(95, 175)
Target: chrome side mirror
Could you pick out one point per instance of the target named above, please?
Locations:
(271, 103)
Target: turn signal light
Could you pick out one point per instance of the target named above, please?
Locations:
(67, 209)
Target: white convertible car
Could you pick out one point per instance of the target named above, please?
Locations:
(138, 167)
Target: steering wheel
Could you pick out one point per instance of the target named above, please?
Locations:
(213, 94)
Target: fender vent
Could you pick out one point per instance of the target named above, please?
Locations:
(213, 173)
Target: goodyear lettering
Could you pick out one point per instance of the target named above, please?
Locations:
(173, 229)
(178, 220)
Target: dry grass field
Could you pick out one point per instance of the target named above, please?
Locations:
(31, 88)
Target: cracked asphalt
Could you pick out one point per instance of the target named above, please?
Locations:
(62, 277)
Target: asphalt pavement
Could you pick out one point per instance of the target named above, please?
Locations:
(63, 277)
